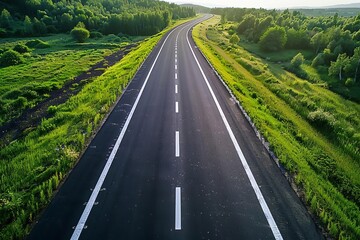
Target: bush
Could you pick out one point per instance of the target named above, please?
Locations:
(96, 35)
(37, 43)
(80, 34)
(322, 119)
(234, 39)
(10, 58)
(349, 82)
(318, 60)
(273, 39)
(3, 33)
(20, 48)
(297, 61)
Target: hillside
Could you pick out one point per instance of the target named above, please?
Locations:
(197, 8)
(350, 5)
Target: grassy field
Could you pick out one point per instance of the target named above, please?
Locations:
(47, 67)
(32, 168)
(314, 132)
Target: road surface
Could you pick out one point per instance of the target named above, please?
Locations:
(176, 159)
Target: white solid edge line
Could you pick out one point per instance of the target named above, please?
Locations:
(178, 208)
(177, 107)
(177, 144)
(84, 216)
(270, 219)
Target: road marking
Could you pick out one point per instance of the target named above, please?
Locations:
(175, 60)
(175, 55)
(177, 144)
(176, 88)
(175, 67)
(84, 216)
(270, 219)
(177, 107)
(178, 208)
(175, 75)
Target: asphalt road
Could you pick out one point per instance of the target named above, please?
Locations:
(176, 159)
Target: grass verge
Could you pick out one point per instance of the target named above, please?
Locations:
(281, 105)
(32, 168)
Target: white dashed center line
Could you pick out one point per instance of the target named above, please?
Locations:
(178, 208)
(177, 107)
(177, 144)
(176, 88)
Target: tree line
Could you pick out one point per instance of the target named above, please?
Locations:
(132, 17)
(334, 40)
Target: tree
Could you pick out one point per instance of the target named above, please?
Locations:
(264, 24)
(10, 58)
(246, 24)
(273, 39)
(28, 26)
(234, 39)
(80, 34)
(297, 61)
(337, 68)
(297, 39)
(5, 19)
(352, 69)
(318, 42)
(38, 27)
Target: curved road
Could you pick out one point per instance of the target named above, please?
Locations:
(176, 159)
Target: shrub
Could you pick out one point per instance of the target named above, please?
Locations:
(21, 48)
(234, 39)
(349, 82)
(297, 60)
(273, 39)
(96, 35)
(80, 34)
(10, 58)
(3, 33)
(37, 43)
(322, 119)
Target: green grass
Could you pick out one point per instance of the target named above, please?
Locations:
(45, 70)
(314, 132)
(32, 168)
(278, 56)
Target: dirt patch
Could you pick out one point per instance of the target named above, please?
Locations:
(31, 118)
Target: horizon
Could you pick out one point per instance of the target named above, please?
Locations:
(282, 4)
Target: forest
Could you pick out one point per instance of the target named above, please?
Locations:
(132, 17)
(333, 41)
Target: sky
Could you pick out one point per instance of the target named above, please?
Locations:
(271, 4)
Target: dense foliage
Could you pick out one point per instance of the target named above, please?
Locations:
(80, 34)
(333, 40)
(133, 17)
(9, 58)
